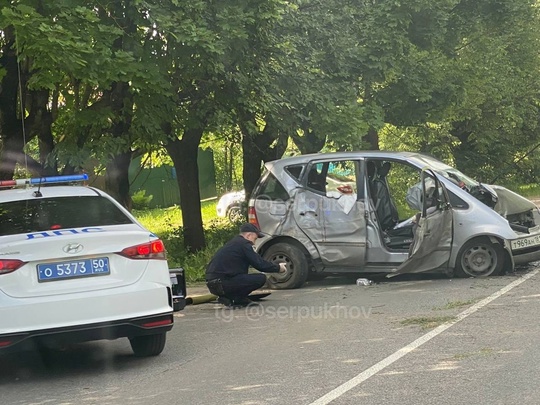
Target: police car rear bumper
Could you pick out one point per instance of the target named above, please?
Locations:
(149, 325)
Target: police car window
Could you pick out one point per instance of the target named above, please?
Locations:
(46, 214)
(272, 189)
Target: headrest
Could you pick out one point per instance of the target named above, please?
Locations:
(385, 168)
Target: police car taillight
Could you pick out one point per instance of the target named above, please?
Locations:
(152, 250)
(7, 265)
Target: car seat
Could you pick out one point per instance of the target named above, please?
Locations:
(387, 212)
(316, 181)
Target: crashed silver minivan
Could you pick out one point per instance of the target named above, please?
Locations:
(387, 212)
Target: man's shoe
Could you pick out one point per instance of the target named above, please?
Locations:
(225, 301)
(243, 302)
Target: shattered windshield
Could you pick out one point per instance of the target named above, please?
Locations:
(479, 191)
(449, 172)
(457, 177)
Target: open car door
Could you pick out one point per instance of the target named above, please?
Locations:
(432, 243)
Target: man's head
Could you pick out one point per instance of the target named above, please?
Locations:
(250, 231)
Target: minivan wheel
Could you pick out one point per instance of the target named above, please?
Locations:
(297, 266)
(480, 257)
(148, 345)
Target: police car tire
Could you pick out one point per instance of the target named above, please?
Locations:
(148, 345)
(297, 266)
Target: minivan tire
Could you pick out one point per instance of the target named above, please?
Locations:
(479, 257)
(297, 266)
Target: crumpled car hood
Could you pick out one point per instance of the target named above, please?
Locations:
(510, 203)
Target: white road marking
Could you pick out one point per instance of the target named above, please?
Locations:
(381, 365)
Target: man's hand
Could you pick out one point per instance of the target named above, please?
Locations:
(282, 267)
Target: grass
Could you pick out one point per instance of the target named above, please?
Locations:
(482, 352)
(427, 322)
(159, 220)
(456, 304)
(167, 224)
(528, 190)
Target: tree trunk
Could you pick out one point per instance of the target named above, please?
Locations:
(183, 153)
(372, 138)
(230, 166)
(251, 161)
(310, 142)
(256, 148)
(10, 122)
(116, 175)
(464, 152)
(40, 120)
(117, 179)
(122, 107)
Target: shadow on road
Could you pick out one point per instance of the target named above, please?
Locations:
(379, 278)
(93, 358)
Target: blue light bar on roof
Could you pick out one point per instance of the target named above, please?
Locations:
(43, 180)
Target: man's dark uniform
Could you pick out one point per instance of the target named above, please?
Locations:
(230, 264)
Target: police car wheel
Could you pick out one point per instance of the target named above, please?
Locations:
(148, 345)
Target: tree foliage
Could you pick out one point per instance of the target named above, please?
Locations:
(87, 85)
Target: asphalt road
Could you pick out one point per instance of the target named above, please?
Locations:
(329, 342)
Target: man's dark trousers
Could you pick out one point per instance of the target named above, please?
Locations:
(241, 285)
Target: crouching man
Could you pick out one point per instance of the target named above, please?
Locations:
(227, 273)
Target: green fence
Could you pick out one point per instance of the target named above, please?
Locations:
(161, 182)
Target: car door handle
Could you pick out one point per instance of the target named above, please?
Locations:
(308, 212)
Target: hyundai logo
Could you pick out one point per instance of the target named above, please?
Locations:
(73, 248)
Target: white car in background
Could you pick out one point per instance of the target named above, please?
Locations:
(230, 205)
(76, 266)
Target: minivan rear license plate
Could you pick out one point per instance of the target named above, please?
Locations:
(73, 269)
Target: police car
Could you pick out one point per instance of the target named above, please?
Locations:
(76, 266)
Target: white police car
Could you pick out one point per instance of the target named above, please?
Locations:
(76, 266)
